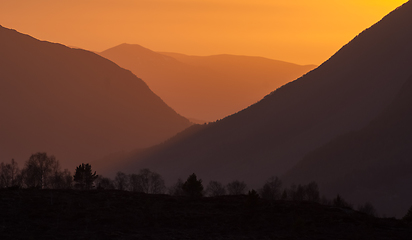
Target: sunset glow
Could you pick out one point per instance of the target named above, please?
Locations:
(205, 119)
(300, 31)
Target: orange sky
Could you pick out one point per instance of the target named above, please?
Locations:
(299, 31)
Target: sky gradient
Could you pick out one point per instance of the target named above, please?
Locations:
(299, 31)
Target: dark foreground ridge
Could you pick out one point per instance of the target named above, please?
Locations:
(70, 214)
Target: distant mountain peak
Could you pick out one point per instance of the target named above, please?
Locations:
(74, 104)
(209, 87)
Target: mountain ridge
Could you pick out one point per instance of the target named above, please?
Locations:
(73, 103)
(372, 163)
(209, 87)
(343, 94)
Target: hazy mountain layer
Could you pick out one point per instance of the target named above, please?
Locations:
(344, 94)
(73, 103)
(373, 164)
(205, 88)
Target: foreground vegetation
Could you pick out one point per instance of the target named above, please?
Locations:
(114, 214)
(41, 171)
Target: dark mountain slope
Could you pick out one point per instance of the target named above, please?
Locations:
(74, 103)
(343, 94)
(372, 164)
(205, 88)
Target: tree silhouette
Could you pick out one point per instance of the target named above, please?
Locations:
(312, 192)
(272, 188)
(193, 187)
(38, 170)
(340, 202)
(236, 187)
(284, 194)
(147, 181)
(9, 174)
(61, 180)
(121, 181)
(215, 188)
(177, 188)
(84, 177)
(252, 199)
(368, 209)
(309, 192)
(104, 183)
(408, 215)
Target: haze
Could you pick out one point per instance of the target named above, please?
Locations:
(293, 31)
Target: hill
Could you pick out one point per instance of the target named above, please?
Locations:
(372, 164)
(205, 88)
(74, 104)
(268, 138)
(68, 214)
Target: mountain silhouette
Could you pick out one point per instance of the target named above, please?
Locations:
(373, 164)
(205, 88)
(74, 104)
(270, 137)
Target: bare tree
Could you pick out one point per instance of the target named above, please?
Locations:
(9, 174)
(312, 192)
(215, 188)
(61, 179)
(104, 183)
(121, 181)
(309, 192)
(236, 187)
(147, 181)
(271, 189)
(177, 188)
(58, 179)
(134, 185)
(38, 170)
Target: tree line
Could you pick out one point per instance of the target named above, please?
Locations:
(41, 171)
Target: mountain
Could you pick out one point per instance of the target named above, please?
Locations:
(205, 88)
(270, 137)
(74, 104)
(372, 164)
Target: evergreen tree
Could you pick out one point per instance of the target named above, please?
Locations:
(193, 187)
(84, 177)
(408, 216)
